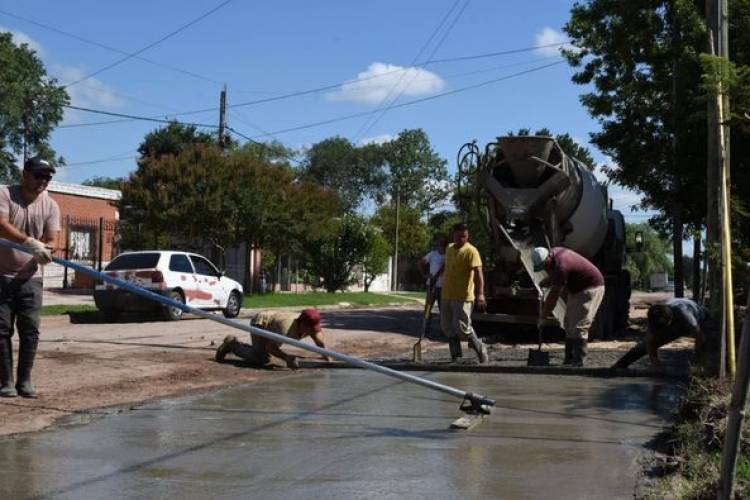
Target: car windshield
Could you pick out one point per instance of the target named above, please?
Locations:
(134, 261)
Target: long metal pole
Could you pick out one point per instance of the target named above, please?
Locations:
(476, 399)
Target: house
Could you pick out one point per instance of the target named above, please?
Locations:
(89, 231)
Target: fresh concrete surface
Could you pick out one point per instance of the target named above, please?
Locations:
(353, 434)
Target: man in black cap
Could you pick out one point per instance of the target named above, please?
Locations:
(29, 216)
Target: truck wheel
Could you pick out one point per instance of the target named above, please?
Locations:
(234, 303)
(174, 313)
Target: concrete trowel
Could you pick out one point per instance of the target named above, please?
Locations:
(537, 357)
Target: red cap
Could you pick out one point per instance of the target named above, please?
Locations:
(312, 318)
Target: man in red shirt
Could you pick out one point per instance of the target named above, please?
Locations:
(585, 286)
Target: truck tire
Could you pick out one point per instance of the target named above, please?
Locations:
(111, 315)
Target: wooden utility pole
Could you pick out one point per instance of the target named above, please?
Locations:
(223, 118)
(677, 207)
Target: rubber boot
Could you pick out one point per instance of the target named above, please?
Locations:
(479, 348)
(26, 355)
(7, 390)
(225, 348)
(568, 346)
(578, 352)
(454, 344)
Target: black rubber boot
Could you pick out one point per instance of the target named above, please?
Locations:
(454, 344)
(479, 348)
(7, 390)
(225, 348)
(578, 351)
(26, 355)
(568, 345)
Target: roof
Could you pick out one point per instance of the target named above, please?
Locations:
(81, 190)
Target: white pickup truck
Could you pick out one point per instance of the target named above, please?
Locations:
(185, 277)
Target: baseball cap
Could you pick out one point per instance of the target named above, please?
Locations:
(312, 318)
(538, 256)
(38, 164)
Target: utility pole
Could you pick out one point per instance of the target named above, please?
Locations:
(223, 118)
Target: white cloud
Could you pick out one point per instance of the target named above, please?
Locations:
(378, 139)
(370, 87)
(549, 37)
(20, 37)
(90, 93)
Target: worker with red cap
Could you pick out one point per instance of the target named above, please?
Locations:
(289, 324)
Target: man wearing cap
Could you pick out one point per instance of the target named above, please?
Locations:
(259, 352)
(462, 273)
(568, 270)
(30, 217)
(667, 322)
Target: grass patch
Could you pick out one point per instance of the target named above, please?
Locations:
(695, 443)
(67, 309)
(259, 301)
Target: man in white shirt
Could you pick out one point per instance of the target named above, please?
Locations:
(431, 264)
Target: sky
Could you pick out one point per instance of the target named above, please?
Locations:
(368, 53)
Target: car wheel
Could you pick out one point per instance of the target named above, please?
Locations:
(234, 303)
(111, 315)
(172, 313)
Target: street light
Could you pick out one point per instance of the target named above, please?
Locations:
(639, 241)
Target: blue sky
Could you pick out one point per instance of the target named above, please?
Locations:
(263, 49)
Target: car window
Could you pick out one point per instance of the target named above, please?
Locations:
(180, 264)
(134, 261)
(203, 266)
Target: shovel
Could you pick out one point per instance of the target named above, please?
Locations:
(417, 349)
(537, 357)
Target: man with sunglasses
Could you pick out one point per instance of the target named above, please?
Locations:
(29, 216)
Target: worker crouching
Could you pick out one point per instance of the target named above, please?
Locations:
(258, 353)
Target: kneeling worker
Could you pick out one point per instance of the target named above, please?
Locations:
(667, 322)
(259, 352)
(585, 285)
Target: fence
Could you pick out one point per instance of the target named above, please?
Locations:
(91, 242)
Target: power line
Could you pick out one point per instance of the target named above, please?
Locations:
(415, 101)
(377, 118)
(109, 47)
(416, 58)
(331, 86)
(153, 44)
(332, 120)
(142, 118)
(496, 54)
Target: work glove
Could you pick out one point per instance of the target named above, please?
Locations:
(41, 253)
(291, 362)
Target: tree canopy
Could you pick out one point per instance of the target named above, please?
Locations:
(31, 105)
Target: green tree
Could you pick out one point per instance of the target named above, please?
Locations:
(334, 256)
(31, 105)
(105, 182)
(172, 139)
(641, 59)
(272, 152)
(414, 172)
(413, 233)
(348, 170)
(375, 260)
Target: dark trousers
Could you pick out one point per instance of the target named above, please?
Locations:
(20, 300)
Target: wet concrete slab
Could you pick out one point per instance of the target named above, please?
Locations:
(354, 434)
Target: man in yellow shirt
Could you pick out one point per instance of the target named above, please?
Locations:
(292, 325)
(462, 273)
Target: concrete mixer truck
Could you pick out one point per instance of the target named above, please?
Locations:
(529, 193)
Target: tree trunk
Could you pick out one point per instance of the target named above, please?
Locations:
(697, 296)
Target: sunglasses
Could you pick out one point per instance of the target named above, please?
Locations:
(44, 177)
